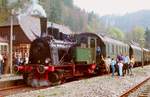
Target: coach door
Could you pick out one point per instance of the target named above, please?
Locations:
(92, 44)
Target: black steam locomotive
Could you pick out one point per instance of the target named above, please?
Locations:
(58, 56)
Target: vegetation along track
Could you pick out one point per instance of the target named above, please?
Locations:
(134, 88)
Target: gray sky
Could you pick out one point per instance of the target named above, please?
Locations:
(109, 7)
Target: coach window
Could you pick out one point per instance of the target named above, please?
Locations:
(110, 48)
(83, 42)
(120, 49)
(107, 48)
(116, 49)
(113, 49)
(126, 49)
(92, 43)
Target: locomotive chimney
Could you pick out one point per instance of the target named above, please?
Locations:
(43, 23)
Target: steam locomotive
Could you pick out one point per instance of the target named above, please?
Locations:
(57, 56)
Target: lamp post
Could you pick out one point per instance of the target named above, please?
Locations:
(11, 40)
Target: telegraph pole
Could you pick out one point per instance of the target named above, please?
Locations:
(11, 41)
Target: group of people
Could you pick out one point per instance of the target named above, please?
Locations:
(122, 64)
(19, 59)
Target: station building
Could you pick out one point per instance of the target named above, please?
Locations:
(21, 42)
(22, 39)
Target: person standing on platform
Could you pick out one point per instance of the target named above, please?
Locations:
(113, 63)
(1, 65)
(126, 63)
(120, 65)
(132, 62)
(118, 59)
(107, 62)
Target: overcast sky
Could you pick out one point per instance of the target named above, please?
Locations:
(118, 7)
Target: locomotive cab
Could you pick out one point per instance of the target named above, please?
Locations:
(85, 52)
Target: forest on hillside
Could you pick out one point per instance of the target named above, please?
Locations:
(64, 12)
(59, 11)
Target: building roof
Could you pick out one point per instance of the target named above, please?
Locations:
(31, 26)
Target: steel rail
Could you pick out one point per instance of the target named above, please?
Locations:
(134, 88)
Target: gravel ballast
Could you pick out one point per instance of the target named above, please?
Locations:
(101, 86)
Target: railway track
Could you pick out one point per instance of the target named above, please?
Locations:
(145, 93)
(12, 90)
(11, 87)
(17, 89)
(20, 88)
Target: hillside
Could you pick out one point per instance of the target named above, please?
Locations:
(62, 12)
(128, 21)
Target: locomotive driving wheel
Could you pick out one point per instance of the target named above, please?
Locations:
(55, 78)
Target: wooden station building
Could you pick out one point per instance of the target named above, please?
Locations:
(21, 42)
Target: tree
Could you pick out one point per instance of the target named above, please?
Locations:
(147, 37)
(137, 34)
(60, 12)
(4, 12)
(116, 33)
(68, 3)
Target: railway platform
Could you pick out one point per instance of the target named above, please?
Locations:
(8, 80)
(9, 77)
